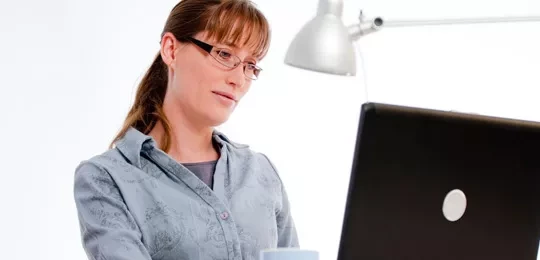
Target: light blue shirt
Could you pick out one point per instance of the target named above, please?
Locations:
(134, 202)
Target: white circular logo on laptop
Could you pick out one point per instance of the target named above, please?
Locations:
(454, 205)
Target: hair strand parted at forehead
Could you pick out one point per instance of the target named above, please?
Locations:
(239, 23)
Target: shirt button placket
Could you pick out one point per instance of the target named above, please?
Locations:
(224, 215)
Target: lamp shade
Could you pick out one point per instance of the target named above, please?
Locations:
(323, 45)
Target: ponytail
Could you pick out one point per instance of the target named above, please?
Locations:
(147, 108)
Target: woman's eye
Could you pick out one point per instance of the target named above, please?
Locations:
(224, 55)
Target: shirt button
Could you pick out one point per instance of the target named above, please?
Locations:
(224, 215)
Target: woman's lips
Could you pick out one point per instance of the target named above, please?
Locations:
(225, 94)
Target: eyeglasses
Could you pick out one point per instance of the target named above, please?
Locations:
(226, 58)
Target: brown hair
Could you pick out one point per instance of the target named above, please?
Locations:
(226, 21)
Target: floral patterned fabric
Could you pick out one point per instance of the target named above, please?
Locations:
(135, 202)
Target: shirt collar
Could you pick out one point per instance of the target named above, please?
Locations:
(222, 139)
(134, 142)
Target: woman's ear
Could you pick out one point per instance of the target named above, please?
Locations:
(169, 45)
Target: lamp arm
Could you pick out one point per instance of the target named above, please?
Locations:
(365, 27)
(450, 21)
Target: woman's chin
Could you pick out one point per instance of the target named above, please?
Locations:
(218, 118)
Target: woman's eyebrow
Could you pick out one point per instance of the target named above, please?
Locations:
(234, 47)
(231, 44)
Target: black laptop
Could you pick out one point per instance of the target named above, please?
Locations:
(428, 184)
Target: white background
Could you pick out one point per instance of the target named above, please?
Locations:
(68, 72)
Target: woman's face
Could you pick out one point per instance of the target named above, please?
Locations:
(201, 87)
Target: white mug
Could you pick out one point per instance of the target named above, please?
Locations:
(288, 254)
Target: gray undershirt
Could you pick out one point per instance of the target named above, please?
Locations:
(203, 170)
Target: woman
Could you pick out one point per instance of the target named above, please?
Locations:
(172, 187)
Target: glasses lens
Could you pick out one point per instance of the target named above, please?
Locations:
(226, 58)
(252, 71)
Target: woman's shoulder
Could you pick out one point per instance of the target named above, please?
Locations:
(101, 163)
(246, 155)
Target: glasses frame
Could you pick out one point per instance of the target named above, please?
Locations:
(208, 48)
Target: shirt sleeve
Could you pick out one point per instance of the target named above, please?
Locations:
(287, 235)
(108, 230)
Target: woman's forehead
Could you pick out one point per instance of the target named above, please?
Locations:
(255, 43)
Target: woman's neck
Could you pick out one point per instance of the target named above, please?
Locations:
(189, 143)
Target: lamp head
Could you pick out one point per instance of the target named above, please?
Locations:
(323, 44)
